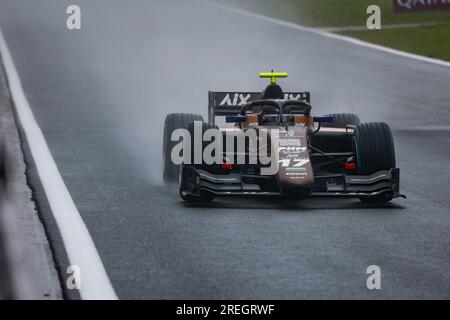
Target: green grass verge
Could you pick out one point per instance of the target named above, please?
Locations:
(433, 42)
(334, 13)
(425, 40)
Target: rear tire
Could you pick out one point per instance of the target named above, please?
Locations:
(174, 121)
(341, 120)
(374, 146)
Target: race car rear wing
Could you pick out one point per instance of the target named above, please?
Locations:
(230, 103)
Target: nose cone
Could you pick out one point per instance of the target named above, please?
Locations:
(295, 171)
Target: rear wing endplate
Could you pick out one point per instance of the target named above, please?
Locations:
(230, 103)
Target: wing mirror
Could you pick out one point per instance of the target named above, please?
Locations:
(326, 118)
(235, 119)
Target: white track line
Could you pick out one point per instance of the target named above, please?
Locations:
(79, 246)
(330, 35)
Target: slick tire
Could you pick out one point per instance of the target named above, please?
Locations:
(374, 147)
(174, 121)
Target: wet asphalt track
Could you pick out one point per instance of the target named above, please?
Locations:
(100, 96)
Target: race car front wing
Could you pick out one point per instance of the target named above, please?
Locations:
(196, 181)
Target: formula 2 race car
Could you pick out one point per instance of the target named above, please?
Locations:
(333, 155)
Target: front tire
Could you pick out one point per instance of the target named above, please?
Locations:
(174, 121)
(374, 146)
